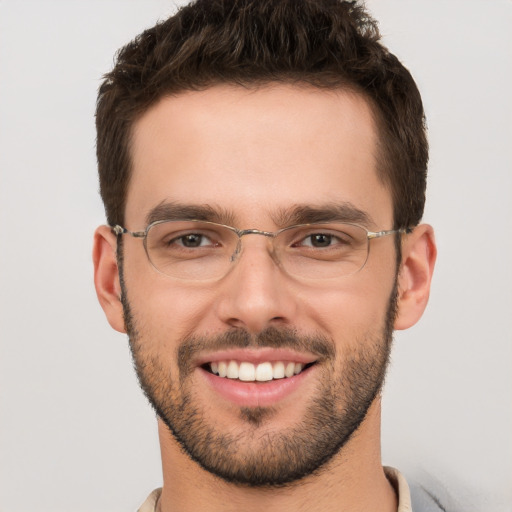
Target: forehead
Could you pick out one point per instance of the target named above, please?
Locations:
(254, 152)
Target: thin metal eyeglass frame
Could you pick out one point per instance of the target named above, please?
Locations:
(370, 235)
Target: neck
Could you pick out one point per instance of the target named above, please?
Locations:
(353, 481)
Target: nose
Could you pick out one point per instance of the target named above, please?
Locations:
(256, 294)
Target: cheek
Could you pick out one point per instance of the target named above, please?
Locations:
(164, 312)
(351, 311)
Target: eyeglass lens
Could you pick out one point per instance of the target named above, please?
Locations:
(194, 250)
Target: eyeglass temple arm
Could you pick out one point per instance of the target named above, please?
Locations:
(119, 230)
(378, 234)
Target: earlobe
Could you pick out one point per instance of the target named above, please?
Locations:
(106, 277)
(418, 259)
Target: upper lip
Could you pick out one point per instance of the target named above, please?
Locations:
(256, 356)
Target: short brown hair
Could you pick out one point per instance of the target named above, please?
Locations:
(325, 43)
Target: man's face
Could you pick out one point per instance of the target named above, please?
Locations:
(255, 158)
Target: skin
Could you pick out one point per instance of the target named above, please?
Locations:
(254, 153)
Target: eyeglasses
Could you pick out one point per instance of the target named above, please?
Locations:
(198, 250)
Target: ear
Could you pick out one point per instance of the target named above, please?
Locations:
(106, 276)
(418, 259)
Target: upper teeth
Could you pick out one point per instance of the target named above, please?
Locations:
(250, 372)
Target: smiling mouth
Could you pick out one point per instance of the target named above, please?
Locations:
(248, 372)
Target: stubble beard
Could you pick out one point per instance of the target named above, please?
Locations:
(256, 456)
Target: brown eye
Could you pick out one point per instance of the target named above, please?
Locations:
(192, 240)
(320, 240)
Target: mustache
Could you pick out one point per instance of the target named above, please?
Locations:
(271, 337)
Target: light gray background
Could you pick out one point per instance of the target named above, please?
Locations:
(76, 432)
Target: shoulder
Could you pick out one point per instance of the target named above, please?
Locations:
(413, 496)
(150, 504)
(432, 494)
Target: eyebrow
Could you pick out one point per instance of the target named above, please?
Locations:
(331, 212)
(283, 217)
(180, 211)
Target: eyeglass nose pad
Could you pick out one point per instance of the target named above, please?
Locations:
(237, 251)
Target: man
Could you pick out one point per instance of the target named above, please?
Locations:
(262, 165)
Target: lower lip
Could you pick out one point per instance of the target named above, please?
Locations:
(256, 394)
